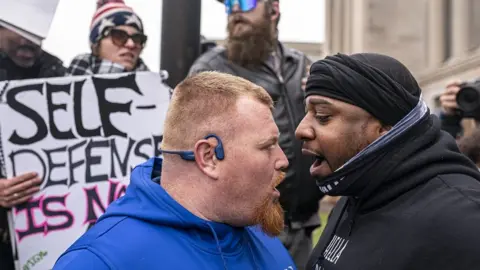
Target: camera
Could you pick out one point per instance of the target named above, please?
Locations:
(468, 99)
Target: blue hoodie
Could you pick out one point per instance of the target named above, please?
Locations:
(147, 229)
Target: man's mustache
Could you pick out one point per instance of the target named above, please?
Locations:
(279, 179)
(31, 48)
(239, 19)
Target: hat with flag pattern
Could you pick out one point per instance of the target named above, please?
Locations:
(111, 14)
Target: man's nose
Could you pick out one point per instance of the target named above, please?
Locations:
(23, 41)
(282, 163)
(130, 44)
(236, 8)
(304, 132)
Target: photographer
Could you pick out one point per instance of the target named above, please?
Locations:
(460, 101)
(470, 146)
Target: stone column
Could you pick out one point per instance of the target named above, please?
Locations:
(337, 26)
(358, 25)
(347, 25)
(436, 41)
(328, 43)
(460, 16)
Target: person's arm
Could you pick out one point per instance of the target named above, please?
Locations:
(80, 260)
(449, 117)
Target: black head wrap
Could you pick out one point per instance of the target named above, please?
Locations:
(377, 83)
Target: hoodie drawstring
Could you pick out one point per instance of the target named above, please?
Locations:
(221, 253)
(218, 246)
(253, 256)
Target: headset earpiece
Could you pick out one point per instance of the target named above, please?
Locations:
(190, 156)
(219, 152)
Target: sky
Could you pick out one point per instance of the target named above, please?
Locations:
(301, 21)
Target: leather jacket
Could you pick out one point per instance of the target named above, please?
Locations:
(299, 193)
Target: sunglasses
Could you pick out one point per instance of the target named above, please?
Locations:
(120, 37)
(243, 5)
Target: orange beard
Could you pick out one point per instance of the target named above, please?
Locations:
(270, 213)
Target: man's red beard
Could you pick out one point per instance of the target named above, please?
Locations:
(252, 48)
(269, 215)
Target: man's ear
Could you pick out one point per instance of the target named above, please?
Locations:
(384, 129)
(377, 128)
(205, 158)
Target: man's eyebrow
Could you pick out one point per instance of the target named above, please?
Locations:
(319, 101)
(269, 141)
(312, 102)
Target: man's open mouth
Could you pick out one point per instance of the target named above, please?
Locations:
(308, 152)
(318, 160)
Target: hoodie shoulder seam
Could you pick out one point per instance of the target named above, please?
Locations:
(111, 227)
(101, 256)
(95, 252)
(88, 245)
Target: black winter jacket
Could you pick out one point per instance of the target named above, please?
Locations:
(423, 212)
(299, 193)
(47, 66)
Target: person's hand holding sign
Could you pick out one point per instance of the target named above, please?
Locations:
(19, 189)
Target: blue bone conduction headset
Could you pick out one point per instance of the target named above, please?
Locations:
(190, 156)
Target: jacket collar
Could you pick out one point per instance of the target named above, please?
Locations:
(288, 54)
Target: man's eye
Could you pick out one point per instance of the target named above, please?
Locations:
(323, 118)
(271, 146)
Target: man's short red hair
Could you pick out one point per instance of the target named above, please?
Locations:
(204, 103)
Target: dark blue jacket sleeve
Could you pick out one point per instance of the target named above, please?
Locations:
(80, 259)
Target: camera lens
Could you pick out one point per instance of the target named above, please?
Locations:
(468, 99)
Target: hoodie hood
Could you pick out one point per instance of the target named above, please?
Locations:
(422, 154)
(416, 203)
(145, 199)
(415, 158)
(148, 229)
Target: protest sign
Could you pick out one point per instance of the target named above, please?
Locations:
(83, 135)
